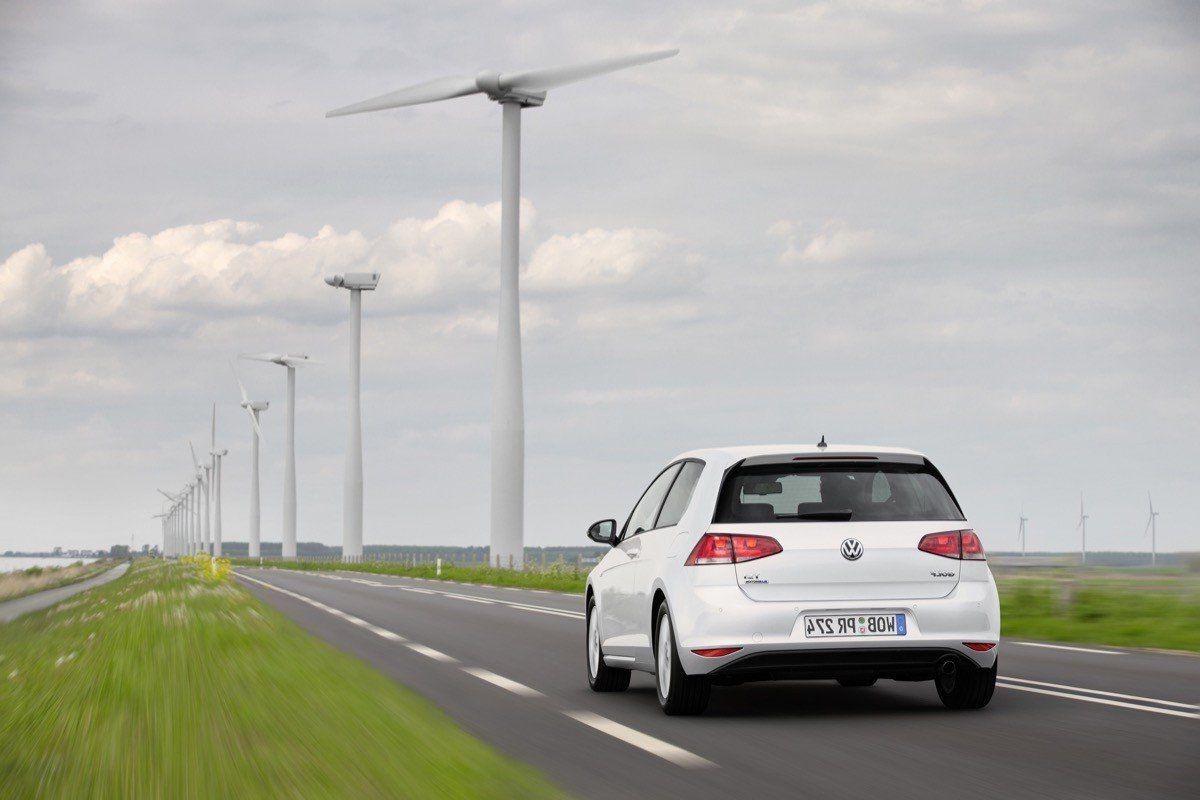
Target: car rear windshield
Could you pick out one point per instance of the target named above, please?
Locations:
(835, 492)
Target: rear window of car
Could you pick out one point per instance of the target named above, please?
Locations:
(835, 492)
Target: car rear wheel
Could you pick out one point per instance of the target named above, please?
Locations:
(601, 677)
(968, 686)
(853, 682)
(679, 694)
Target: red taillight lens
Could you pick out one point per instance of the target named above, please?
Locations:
(731, 548)
(953, 544)
(716, 652)
(980, 647)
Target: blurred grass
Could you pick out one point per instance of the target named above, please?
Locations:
(1124, 608)
(555, 577)
(38, 579)
(171, 683)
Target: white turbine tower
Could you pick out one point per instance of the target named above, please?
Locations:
(173, 516)
(1021, 531)
(290, 362)
(352, 493)
(514, 91)
(254, 408)
(203, 475)
(1082, 526)
(216, 456)
(1152, 529)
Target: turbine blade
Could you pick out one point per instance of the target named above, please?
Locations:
(541, 79)
(271, 357)
(254, 422)
(170, 497)
(428, 92)
(195, 462)
(213, 438)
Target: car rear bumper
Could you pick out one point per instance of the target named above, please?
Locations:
(894, 663)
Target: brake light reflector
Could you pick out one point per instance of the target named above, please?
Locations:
(716, 652)
(980, 647)
(731, 548)
(953, 544)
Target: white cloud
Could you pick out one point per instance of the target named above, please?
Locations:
(835, 241)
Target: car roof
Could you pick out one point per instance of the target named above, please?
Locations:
(737, 453)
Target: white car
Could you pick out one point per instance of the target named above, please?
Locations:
(793, 562)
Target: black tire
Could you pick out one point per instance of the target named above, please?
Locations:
(606, 678)
(686, 695)
(971, 687)
(857, 682)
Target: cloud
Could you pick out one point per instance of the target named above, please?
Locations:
(836, 241)
(179, 278)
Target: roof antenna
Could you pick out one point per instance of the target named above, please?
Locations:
(821, 444)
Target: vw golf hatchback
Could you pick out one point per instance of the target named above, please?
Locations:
(782, 562)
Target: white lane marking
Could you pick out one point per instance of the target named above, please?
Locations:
(1101, 701)
(1069, 647)
(643, 741)
(503, 682)
(1190, 706)
(385, 633)
(429, 652)
(483, 600)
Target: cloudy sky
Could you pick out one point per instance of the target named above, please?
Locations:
(968, 228)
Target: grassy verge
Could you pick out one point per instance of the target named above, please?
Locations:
(1123, 609)
(38, 579)
(174, 683)
(559, 578)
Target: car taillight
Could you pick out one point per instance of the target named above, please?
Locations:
(716, 652)
(731, 548)
(953, 544)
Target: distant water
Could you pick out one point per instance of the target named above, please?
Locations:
(13, 563)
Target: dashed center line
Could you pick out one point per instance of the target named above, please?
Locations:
(503, 682)
(429, 652)
(643, 741)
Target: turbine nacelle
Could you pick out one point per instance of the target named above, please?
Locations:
(256, 405)
(366, 281)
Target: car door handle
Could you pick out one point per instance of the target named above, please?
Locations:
(633, 553)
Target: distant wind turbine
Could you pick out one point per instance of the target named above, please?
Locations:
(1021, 531)
(1152, 529)
(254, 408)
(1082, 526)
(216, 456)
(203, 475)
(514, 91)
(290, 362)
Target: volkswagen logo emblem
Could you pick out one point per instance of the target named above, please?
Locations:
(852, 549)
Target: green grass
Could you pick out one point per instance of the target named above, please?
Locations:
(39, 579)
(555, 577)
(169, 684)
(1111, 607)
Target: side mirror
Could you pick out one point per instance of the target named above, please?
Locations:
(604, 531)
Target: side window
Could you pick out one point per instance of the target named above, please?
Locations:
(680, 494)
(644, 513)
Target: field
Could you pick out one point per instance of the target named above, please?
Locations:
(172, 682)
(1119, 607)
(37, 579)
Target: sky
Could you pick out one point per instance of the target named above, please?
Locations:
(971, 229)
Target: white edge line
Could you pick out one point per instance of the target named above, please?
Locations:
(1097, 691)
(1101, 700)
(643, 741)
(503, 682)
(1069, 647)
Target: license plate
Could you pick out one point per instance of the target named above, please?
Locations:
(817, 626)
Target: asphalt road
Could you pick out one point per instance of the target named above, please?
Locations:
(11, 609)
(508, 665)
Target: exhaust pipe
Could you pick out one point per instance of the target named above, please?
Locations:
(947, 672)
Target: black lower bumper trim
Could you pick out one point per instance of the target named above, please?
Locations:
(895, 663)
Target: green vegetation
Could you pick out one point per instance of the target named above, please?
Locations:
(555, 577)
(37, 579)
(173, 682)
(1122, 608)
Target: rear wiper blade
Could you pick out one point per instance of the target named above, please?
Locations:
(832, 516)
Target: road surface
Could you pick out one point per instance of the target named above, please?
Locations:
(508, 665)
(11, 609)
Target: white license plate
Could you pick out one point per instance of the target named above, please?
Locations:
(820, 625)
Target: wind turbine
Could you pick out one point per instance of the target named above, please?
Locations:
(352, 491)
(1021, 531)
(174, 517)
(216, 455)
(290, 362)
(203, 475)
(253, 408)
(1082, 526)
(1152, 529)
(514, 91)
(163, 516)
